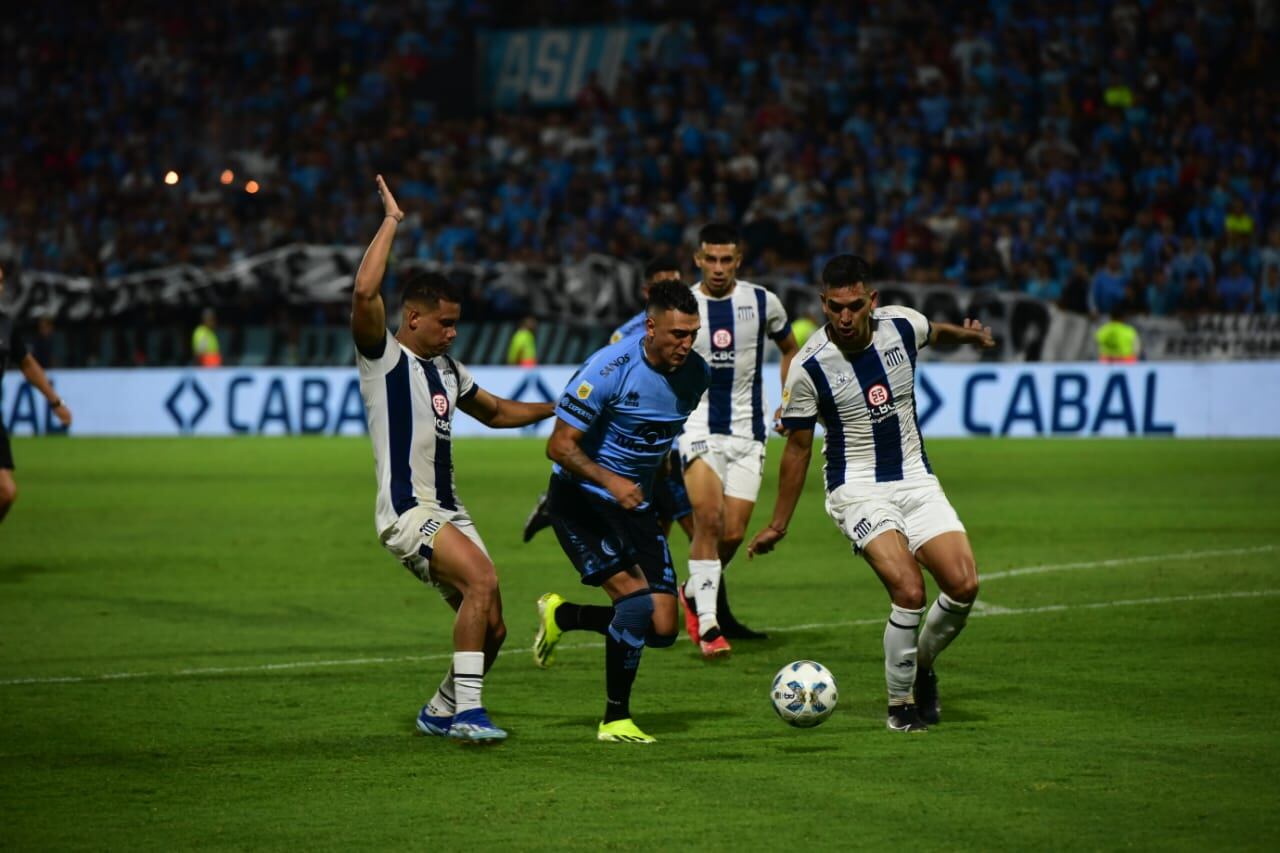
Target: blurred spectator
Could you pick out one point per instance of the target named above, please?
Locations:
(1118, 341)
(204, 340)
(523, 350)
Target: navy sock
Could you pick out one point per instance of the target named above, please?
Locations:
(623, 645)
(583, 617)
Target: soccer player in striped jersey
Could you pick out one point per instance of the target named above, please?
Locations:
(671, 500)
(857, 375)
(723, 444)
(411, 389)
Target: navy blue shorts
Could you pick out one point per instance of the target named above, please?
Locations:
(670, 499)
(6, 452)
(602, 539)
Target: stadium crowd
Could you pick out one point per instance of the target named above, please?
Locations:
(1093, 154)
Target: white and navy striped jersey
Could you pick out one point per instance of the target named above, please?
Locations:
(732, 341)
(866, 401)
(409, 402)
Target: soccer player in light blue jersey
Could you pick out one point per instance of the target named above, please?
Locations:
(857, 375)
(412, 388)
(615, 425)
(671, 500)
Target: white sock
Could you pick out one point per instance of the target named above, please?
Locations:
(900, 653)
(943, 624)
(442, 704)
(704, 580)
(468, 678)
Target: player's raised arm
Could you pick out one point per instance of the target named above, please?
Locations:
(972, 332)
(368, 313)
(501, 413)
(565, 450)
(791, 477)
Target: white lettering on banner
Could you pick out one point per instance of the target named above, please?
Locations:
(1148, 399)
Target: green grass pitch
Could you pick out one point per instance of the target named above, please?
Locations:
(202, 645)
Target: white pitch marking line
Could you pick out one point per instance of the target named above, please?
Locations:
(317, 664)
(1124, 561)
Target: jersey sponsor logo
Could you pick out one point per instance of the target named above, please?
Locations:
(607, 546)
(444, 427)
(723, 358)
(576, 409)
(746, 312)
(440, 403)
(879, 405)
(722, 338)
(607, 369)
(894, 357)
(840, 379)
(584, 390)
(648, 436)
(631, 399)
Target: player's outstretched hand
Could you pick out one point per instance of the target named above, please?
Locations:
(764, 541)
(982, 334)
(389, 206)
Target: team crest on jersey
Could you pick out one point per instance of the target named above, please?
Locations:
(894, 357)
(746, 312)
(722, 338)
(584, 390)
(440, 403)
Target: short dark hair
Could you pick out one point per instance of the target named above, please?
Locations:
(662, 263)
(845, 271)
(719, 234)
(429, 287)
(671, 295)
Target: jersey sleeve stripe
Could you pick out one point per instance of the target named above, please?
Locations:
(833, 443)
(400, 435)
(781, 335)
(799, 423)
(908, 334)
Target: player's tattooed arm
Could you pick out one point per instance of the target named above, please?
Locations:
(791, 476)
(972, 332)
(564, 449)
(368, 313)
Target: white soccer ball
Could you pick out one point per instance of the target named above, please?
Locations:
(804, 693)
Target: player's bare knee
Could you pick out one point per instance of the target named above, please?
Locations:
(709, 523)
(908, 593)
(482, 588)
(966, 590)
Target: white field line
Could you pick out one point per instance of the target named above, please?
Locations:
(1124, 561)
(319, 664)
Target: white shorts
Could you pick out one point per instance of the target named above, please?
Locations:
(411, 539)
(917, 508)
(737, 461)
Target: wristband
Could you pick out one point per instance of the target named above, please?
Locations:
(398, 219)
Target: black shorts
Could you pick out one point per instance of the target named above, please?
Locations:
(6, 452)
(670, 498)
(602, 539)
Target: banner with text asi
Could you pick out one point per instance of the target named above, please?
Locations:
(1148, 399)
(549, 67)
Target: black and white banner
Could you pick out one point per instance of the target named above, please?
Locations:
(602, 290)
